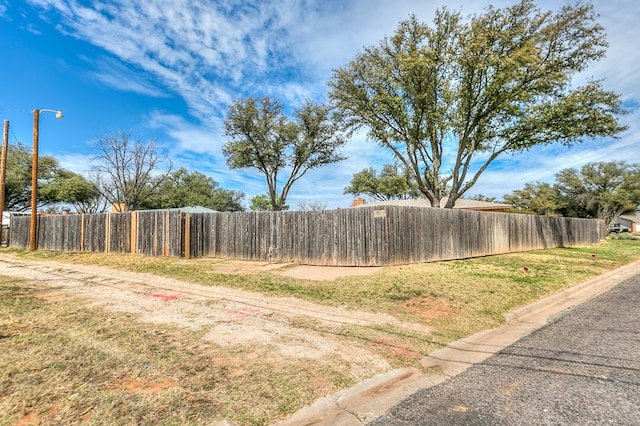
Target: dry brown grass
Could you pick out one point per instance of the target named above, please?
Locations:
(65, 363)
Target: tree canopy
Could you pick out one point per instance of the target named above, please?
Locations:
(312, 206)
(183, 188)
(448, 99)
(261, 136)
(75, 189)
(604, 190)
(536, 198)
(263, 203)
(485, 198)
(387, 185)
(51, 179)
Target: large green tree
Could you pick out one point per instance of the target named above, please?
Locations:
(18, 180)
(603, 189)
(448, 99)
(383, 186)
(72, 188)
(261, 136)
(183, 188)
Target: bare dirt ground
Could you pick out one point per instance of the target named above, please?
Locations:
(229, 316)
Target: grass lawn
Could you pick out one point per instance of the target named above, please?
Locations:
(70, 363)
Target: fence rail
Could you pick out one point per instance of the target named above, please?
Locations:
(365, 236)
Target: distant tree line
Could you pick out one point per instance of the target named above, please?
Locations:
(603, 190)
(126, 172)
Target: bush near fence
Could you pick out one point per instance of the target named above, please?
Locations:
(365, 236)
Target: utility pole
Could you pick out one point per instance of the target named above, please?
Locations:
(34, 181)
(3, 173)
(33, 227)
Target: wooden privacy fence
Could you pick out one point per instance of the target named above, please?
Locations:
(153, 233)
(364, 236)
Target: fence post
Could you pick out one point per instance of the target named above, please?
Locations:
(187, 235)
(167, 233)
(107, 232)
(133, 232)
(82, 232)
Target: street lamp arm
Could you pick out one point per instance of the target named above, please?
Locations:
(59, 114)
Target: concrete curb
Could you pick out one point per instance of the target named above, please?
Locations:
(372, 397)
(578, 293)
(365, 401)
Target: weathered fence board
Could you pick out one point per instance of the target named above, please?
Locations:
(93, 233)
(365, 236)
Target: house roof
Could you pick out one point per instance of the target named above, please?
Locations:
(6, 216)
(461, 203)
(631, 217)
(195, 209)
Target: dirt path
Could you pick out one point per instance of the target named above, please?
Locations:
(292, 327)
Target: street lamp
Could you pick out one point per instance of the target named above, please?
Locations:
(34, 173)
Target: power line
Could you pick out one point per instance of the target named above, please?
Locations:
(23, 111)
(17, 110)
(14, 134)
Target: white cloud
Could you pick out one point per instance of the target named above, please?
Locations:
(77, 163)
(114, 74)
(202, 50)
(187, 136)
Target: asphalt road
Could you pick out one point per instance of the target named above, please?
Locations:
(583, 368)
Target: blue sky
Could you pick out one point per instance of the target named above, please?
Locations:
(168, 69)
